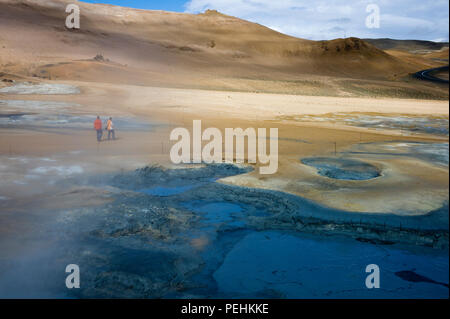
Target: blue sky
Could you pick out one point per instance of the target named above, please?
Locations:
(167, 5)
(323, 19)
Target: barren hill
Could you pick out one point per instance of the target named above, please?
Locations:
(408, 45)
(208, 50)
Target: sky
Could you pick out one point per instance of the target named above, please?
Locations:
(323, 19)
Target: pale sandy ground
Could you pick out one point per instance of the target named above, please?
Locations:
(408, 186)
(249, 106)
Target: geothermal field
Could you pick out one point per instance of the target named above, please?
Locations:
(362, 172)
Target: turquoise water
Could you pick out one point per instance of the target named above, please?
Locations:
(218, 213)
(166, 191)
(223, 212)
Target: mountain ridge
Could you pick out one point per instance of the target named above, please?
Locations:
(149, 47)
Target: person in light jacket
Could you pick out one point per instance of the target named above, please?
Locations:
(110, 129)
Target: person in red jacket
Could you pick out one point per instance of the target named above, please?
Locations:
(98, 128)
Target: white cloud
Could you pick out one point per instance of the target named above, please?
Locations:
(440, 40)
(328, 19)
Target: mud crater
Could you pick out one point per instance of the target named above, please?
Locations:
(343, 169)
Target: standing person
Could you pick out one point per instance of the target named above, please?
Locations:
(98, 128)
(110, 128)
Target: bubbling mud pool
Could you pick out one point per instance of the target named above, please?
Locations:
(24, 88)
(32, 106)
(48, 114)
(407, 124)
(293, 265)
(67, 121)
(435, 153)
(211, 240)
(342, 168)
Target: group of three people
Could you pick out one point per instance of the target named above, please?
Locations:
(99, 128)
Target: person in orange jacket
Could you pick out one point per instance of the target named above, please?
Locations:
(98, 128)
(110, 129)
